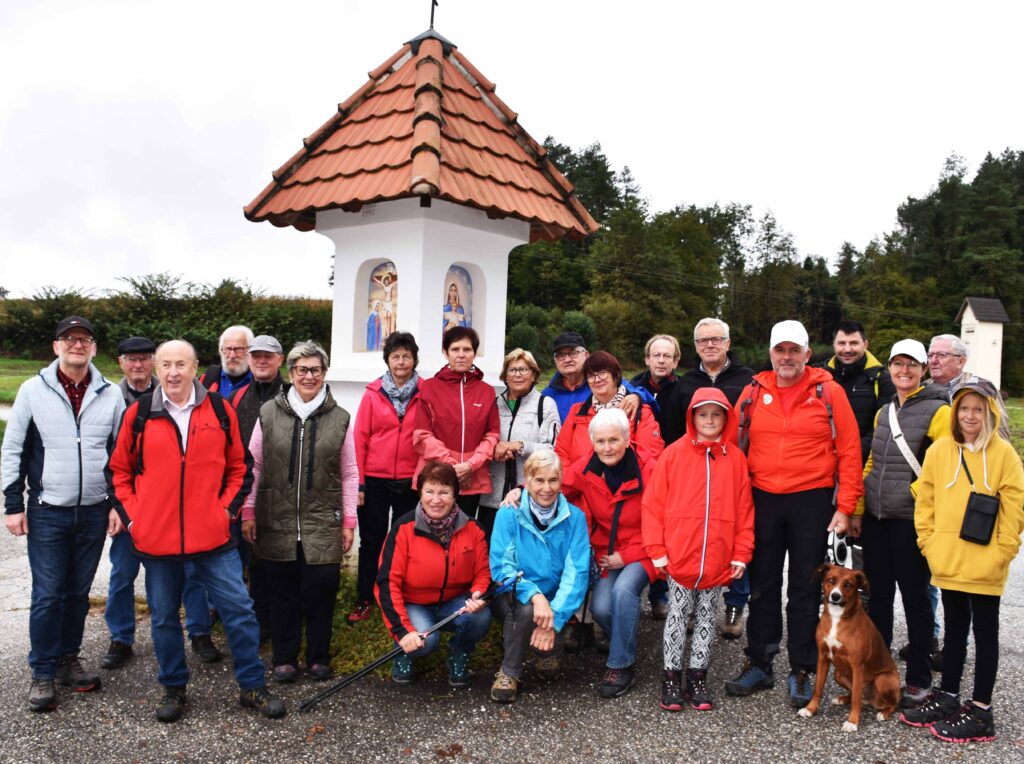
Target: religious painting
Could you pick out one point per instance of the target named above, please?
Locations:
(382, 305)
(458, 299)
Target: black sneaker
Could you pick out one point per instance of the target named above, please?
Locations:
(971, 725)
(671, 690)
(71, 673)
(172, 706)
(752, 678)
(914, 696)
(264, 702)
(617, 682)
(577, 637)
(42, 695)
(940, 705)
(696, 692)
(117, 655)
(207, 651)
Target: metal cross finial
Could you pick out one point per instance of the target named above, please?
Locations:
(433, 5)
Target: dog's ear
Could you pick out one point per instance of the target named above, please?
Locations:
(862, 583)
(821, 571)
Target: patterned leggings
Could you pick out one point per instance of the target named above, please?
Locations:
(681, 602)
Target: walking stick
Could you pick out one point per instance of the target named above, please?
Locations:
(492, 591)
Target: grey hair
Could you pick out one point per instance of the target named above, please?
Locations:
(249, 336)
(609, 418)
(542, 459)
(958, 344)
(307, 349)
(711, 322)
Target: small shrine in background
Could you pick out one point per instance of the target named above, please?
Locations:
(981, 322)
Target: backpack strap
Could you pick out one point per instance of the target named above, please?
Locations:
(825, 396)
(746, 409)
(220, 409)
(145, 404)
(238, 393)
(211, 376)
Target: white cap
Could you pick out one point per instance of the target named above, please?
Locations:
(696, 406)
(789, 331)
(910, 348)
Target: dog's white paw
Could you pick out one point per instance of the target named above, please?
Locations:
(849, 727)
(838, 701)
(803, 713)
(880, 717)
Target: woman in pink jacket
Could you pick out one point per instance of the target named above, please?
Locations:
(457, 419)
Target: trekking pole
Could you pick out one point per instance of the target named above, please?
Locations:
(492, 591)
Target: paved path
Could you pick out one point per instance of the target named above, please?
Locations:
(373, 721)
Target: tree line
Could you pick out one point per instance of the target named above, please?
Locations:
(647, 271)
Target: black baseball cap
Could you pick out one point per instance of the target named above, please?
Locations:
(73, 322)
(136, 345)
(568, 339)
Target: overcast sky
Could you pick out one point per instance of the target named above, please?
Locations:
(132, 133)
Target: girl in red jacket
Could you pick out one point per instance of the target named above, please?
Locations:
(698, 526)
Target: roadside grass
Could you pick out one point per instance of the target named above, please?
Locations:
(14, 371)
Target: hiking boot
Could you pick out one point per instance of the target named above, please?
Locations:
(659, 610)
(546, 664)
(264, 702)
(458, 667)
(320, 672)
(42, 695)
(696, 692)
(286, 673)
(801, 687)
(172, 706)
(504, 688)
(671, 690)
(207, 651)
(731, 626)
(578, 636)
(360, 612)
(751, 679)
(117, 655)
(616, 682)
(401, 669)
(971, 725)
(71, 673)
(940, 705)
(914, 696)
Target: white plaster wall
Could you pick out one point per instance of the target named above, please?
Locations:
(984, 340)
(422, 242)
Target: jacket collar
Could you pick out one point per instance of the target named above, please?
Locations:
(158, 397)
(525, 517)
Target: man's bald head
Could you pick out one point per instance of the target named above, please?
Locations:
(176, 365)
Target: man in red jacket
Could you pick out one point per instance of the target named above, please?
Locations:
(805, 470)
(177, 478)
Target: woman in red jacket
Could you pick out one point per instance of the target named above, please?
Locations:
(698, 524)
(386, 458)
(434, 562)
(457, 419)
(611, 480)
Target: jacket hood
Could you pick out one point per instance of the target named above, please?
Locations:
(446, 374)
(867, 362)
(812, 376)
(702, 396)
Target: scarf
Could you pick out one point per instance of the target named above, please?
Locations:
(544, 515)
(399, 396)
(441, 528)
(300, 407)
(614, 402)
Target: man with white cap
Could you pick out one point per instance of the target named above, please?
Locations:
(803, 451)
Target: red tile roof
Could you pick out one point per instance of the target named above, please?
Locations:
(426, 123)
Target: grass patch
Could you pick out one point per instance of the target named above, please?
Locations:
(14, 371)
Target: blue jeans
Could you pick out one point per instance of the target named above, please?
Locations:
(468, 628)
(615, 603)
(933, 595)
(221, 576)
(120, 613)
(64, 547)
(738, 592)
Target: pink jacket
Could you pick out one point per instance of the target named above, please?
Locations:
(383, 442)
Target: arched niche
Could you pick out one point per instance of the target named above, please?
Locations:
(464, 299)
(375, 307)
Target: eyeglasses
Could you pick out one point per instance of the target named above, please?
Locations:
(519, 371)
(905, 365)
(235, 350)
(705, 341)
(598, 376)
(308, 371)
(70, 341)
(942, 356)
(565, 355)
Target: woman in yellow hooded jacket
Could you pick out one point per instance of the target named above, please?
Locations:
(970, 573)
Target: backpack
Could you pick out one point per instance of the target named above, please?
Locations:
(145, 404)
(746, 409)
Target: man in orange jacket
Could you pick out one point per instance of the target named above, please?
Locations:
(803, 452)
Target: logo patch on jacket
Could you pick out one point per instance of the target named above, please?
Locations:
(767, 398)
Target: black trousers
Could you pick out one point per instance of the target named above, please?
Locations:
(301, 592)
(381, 498)
(891, 559)
(962, 611)
(793, 524)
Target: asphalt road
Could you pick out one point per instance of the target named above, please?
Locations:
(563, 720)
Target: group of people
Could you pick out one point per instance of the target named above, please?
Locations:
(241, 491)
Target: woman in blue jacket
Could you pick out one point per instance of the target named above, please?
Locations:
(546, 538)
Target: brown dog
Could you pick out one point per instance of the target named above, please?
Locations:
(851, 643)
